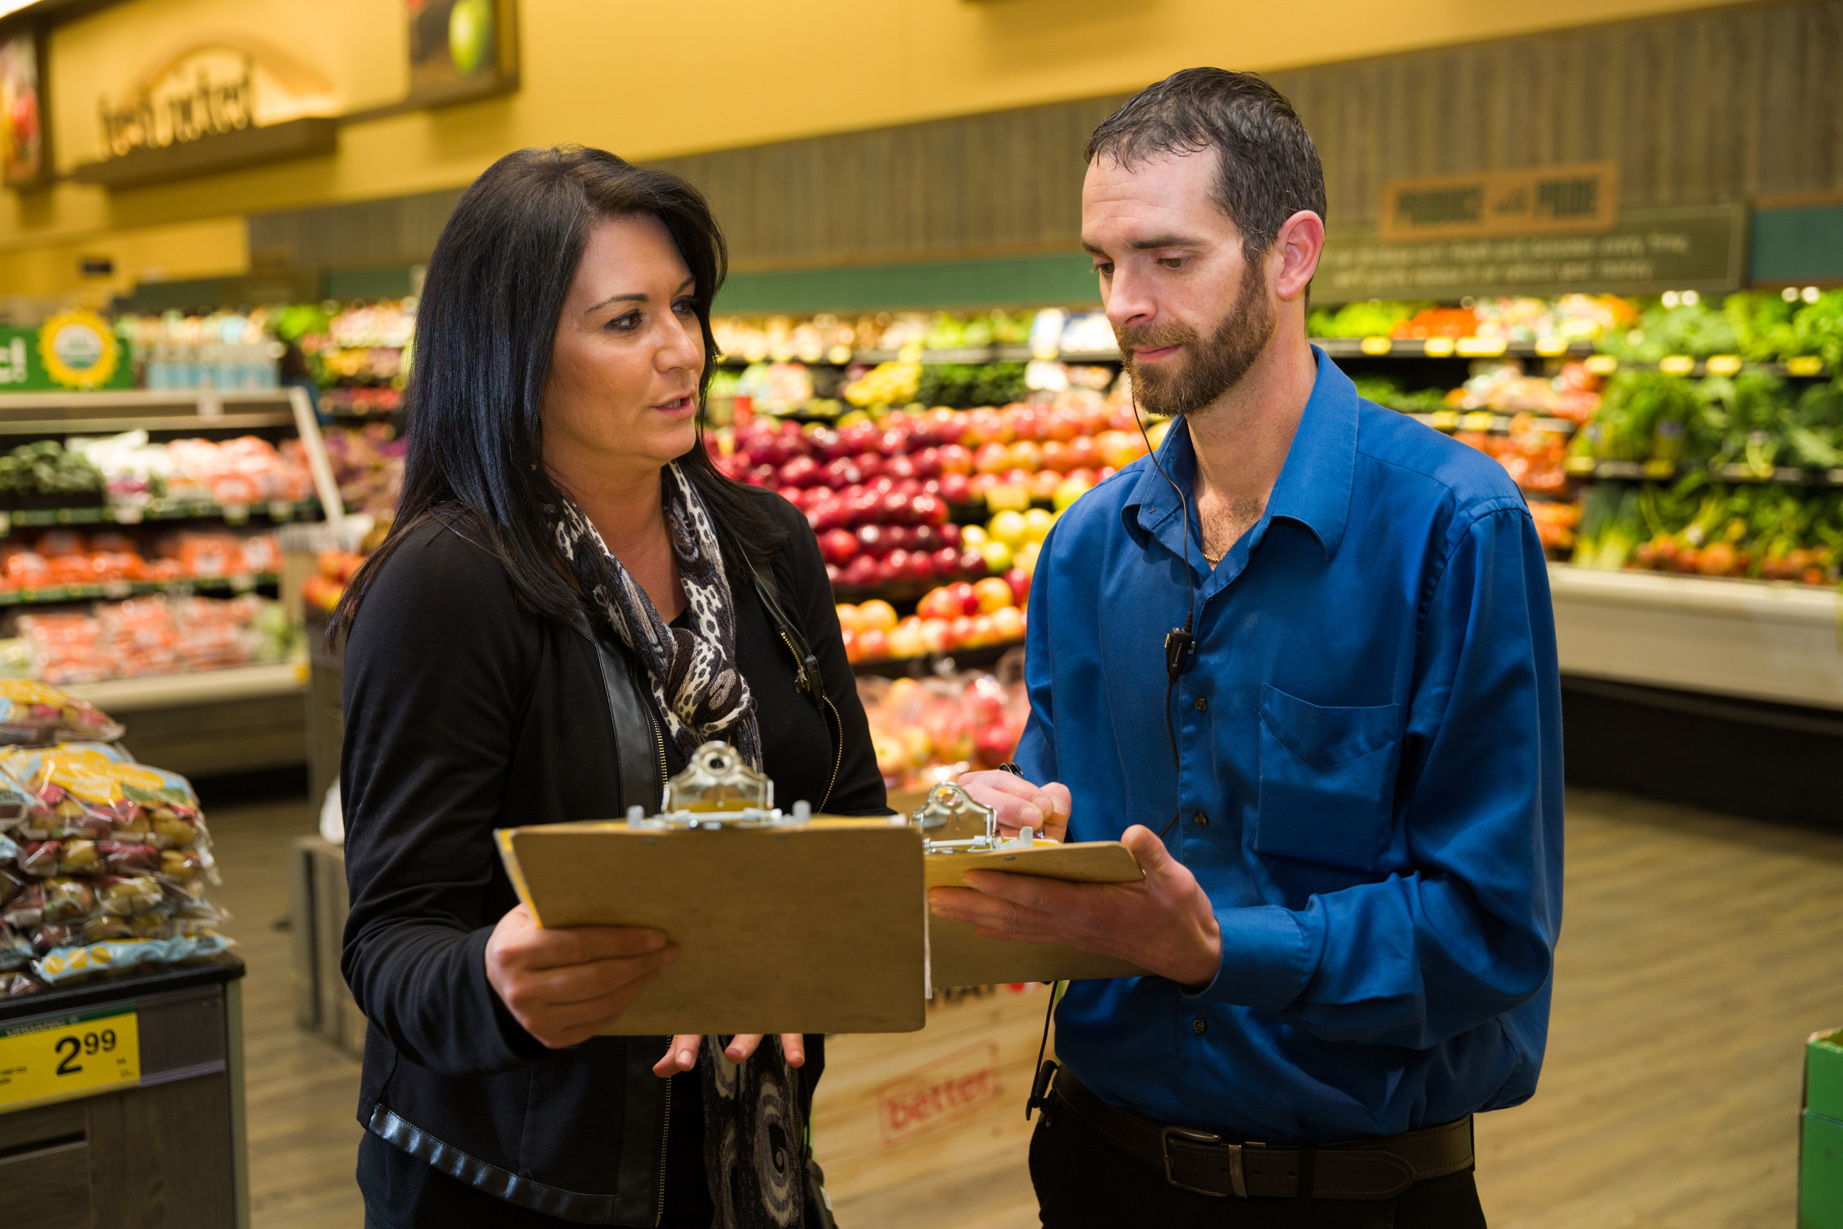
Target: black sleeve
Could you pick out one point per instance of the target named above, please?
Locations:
(859, 789)
(437, 669)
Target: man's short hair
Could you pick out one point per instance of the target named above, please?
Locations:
(1269, 166)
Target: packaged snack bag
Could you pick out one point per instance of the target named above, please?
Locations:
(33, 713)
(15, 949)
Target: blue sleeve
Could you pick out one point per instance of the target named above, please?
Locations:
(1467, 932)
(1036, 749)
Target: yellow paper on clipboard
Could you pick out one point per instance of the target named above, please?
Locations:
(960, 957)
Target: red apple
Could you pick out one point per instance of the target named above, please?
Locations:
(1019, 580)
(860, 572)
(926, 537)
(872, 539)
(897, 563)
(956, 488)
(839, 546)
(962, 597)
(927, 462)
(950, 534)
(972, 563)
(946, 561)
(900, 466)
(842, 473)
(899, 537)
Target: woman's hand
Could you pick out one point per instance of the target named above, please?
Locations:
(682, 1054)
(1019, 804)
(565, 986)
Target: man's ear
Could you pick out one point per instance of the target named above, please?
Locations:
(1298, 245)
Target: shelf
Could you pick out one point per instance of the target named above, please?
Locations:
(1763, 640)
(278, 511)
(117, 590)
(1489, 421)
(269, 679)
(1664, 471)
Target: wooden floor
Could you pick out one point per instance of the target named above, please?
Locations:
(1697, 954)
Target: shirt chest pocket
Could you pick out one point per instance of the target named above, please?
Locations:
(1327, 781)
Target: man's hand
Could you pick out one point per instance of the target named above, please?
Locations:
(1164, 924)
(1042, 808)
(565, 986)
(683, 1052)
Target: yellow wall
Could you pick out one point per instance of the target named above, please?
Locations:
(650, 79)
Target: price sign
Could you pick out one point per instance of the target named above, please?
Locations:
(69, 1056)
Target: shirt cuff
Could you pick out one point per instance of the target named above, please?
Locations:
(1268, 955)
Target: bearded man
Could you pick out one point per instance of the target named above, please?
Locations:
(1302, 661)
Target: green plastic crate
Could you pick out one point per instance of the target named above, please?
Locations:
(1820, 1144)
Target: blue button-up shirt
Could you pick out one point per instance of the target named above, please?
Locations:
(1369, 784)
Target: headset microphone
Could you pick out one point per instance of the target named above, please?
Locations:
(1180, 642)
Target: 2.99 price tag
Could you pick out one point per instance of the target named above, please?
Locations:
(68, 1056)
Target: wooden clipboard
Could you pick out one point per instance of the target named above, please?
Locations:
(795, 928)
(960, 957)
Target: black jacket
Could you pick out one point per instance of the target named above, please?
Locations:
(466, 712)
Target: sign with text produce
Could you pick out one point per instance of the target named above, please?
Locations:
(1648, 251)
(1545, 200)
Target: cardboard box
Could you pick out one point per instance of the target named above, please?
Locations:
(1820, 1143)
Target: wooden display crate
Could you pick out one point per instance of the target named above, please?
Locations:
(317, 905)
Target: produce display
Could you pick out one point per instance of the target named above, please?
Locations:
(1709, 528)
(65, 558)
(162, 634)
(357, 354)
(135, 477)
(367, 465)
(103, 861)
(930, 730)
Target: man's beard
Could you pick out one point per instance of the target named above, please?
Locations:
(1215, 366)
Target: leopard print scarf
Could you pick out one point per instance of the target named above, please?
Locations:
(754, 1148)
(692, 671)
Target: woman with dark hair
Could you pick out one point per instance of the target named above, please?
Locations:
(571, 600)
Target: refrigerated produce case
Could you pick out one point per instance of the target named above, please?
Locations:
(150, 577)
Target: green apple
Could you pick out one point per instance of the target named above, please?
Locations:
(470, 35)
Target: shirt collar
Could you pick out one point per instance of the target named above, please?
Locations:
(1315, 483)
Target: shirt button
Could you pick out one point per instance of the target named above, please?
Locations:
(1202, 704)
(1200, 820)
(1198, 1026)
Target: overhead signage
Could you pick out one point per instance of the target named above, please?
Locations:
(1550, 200)
(461, 49)
(1648, 251)
(74, 351)
(24, 160)
(226, 100)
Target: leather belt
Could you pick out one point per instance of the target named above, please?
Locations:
(1199, 1161)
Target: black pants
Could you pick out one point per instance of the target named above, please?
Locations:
(1083, 1182)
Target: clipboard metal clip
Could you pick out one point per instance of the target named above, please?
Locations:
(951, 822)
(718, 790)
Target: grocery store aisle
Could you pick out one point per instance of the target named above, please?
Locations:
(302, 1094)
(1698, 952)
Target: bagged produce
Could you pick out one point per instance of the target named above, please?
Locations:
(32, 713)
(63, 963)
(95, 810)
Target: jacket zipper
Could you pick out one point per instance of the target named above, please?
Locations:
(665, 1134)
(665, 1126)
(838, 754)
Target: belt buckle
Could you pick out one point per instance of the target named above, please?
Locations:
(1237, 1184)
